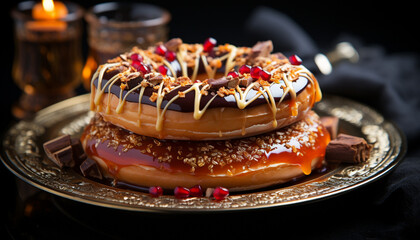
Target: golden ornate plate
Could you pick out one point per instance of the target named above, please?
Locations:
(23, 155)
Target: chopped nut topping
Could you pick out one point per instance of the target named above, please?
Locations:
(216, 63)
(153, 97)
(145, 83)
(212, 156)
(183, 81)
(181, 94)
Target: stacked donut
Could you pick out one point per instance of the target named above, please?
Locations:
(180, 114)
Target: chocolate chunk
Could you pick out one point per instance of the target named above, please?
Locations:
(232, 82)
(155, 80)
(90, 168)
(173, 44)
(331, 124)
(57, 144)
(78, 152)
(228, 82)
(65, 151)
(245, 82)
(64, 157)
(280, 56)
(348, 149)
(218, 83)
(261, 49)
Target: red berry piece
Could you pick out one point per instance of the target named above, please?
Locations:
(144, 69)
(295, 60)
(209, 44)
(255, 72)
(196, 191)
(163, 70)
(160, 50)
(233, 74)
(220, 193)
(244, 69)
(181, 192)
(136, 64)
(265, 75)
(155, 191)
(136, 57)
(140, 67)
(170, 56)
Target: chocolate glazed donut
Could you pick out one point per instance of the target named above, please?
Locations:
(190, 92)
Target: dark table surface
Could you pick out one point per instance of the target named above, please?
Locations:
(28, 213)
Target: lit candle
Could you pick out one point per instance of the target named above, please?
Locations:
(48, 15)
(48, 56)
(49, 10)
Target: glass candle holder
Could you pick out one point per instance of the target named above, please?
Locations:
(114, 28)
(48, 59)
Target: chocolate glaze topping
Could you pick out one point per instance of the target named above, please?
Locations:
(186, 104)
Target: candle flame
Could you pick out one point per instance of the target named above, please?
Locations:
(48, 5)
(50, 11)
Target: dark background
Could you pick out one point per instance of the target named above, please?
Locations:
(390, 25)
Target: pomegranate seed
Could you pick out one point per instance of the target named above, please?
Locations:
(255, 72)
(265, 75)
(196, 191)
(161, 50)
(136, 57)
(209, 44)
(233, 74)
(163, 70)
(143, 68)
(244, 69)
(170, 56)
(136, 64)
(220, 193)
(295, 60)
(181, 192)
(156, 191)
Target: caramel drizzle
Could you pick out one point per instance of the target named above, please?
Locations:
(196, 64)
(197, 112)
(289, 73)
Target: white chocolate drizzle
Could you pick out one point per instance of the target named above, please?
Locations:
(286, 74)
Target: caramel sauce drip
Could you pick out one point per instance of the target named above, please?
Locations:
(283, 74)
(297, 144)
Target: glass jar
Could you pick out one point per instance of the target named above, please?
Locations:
(48, 58)
(114, 28)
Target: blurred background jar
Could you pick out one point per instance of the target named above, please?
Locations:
(48, 59)
(114, 28)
